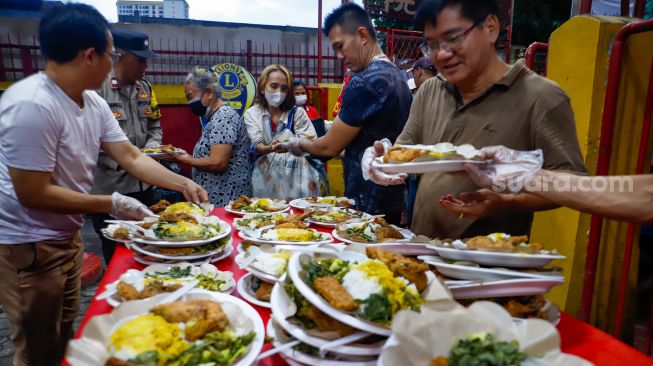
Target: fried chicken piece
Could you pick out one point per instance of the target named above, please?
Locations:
(344, 203)
(157, 287)
(121, 233)
(264, 290)
(440, 361)
(402, 154)
(206, 316)
(148, 225)
(387, 232)
(126, 291)
(333, 291)
(241, 202)
(176, 217)
(248, 243)
(408, 268)
(516, 240)
(176, 250)
(327, 324)
(485, 243)
(164, 148)
(159, 206)
(113, 361)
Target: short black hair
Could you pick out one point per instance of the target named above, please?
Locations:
(349, 17)
(65, 30)
(297, 83)
(474, 10)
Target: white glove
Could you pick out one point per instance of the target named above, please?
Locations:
(127, 208)
(377, 176)
(507, 169)
(293, 146)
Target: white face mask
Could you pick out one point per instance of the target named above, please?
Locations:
(301, 99)
(275, 99)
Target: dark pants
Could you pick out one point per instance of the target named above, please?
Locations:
(109, 246)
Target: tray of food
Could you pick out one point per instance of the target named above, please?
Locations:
(193, 252)
(331, 217)
(322, 202)
(245, 205)
(259, 221)
(281, 236)
(473, 271)
(371, 232)
(416, 159)
(161, 151)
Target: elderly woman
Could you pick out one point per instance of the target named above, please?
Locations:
(271, 121)
(220, 159)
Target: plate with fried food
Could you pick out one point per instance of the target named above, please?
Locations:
(164, 278)
(196, 231)
(150, 261)
(372, 231)
(497, 250)
(322, 202)
(362, 291)
(416, 159)
(286, 235)
(306, 354)
(190, 208)
(504, 288)
(181, 252)
(245, 205)
(302, 320)
(473, 271)
(254, 290)
(203, 327)
(259, 221)
(160, 151)
(525, 307)
(265, 262)
(332, 216)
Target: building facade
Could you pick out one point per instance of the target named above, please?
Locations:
(176, 9)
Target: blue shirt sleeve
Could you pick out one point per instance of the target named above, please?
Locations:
(363, 97)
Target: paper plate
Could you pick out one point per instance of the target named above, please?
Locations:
(302, 203)
(241, 228)
(228, 208)
(463, 272)
(243, 289)
(434, 166)
(498, 259)
(152, 250)
(90, 349)
(226, 230)
(406, 249)
(504, 288)
(149, 260)
(274, 331)
(245, 235)
(365, 217)
(263, 276)
(297, 273)
(279, 305)
(405, 232)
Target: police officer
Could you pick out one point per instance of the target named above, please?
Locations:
(134, 105)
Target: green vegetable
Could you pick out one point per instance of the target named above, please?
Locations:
(358, 232)
(215, 349)
(484, 350)
(375, 308)
(333, 267)
(174, 272)
(149, 357)
(211, 246)
(307, 349)
(302, 306)
(185, 231)
(209, 282)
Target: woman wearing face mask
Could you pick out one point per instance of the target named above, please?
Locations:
(220, 159)
(301, 98)
(271, 121)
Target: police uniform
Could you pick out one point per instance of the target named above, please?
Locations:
(136, 110)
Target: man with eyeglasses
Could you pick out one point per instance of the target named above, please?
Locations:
(480, 100)
(134, 106)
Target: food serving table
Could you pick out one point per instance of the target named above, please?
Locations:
(577, 338)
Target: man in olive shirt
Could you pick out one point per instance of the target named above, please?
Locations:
(134, 106)
(478, 99)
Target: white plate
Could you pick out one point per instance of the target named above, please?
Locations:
(302, 203)
(464, 272)
(498, 259)
(152, 251)
(267, 277)
(279, 304)
(241, 228)
(504, 288)
(365, 217)
(274, 331)
(226, 230)
(407, 249)
(245, 236)
(242, 213)
(160, 155)
(405, 232)
(106, 235)
(147, 260)
(296, 273)
(423, 166)
(84, 351)
(133, 277)
(243, 289)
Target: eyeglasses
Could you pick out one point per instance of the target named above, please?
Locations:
(114, 56)
(450, 44)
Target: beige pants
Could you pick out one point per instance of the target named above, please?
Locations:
(40, 290)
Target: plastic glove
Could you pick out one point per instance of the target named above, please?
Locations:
(508, 169)
(127, 208)
(375, 175)
(293, 146)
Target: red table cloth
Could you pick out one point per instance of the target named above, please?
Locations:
(578, 338)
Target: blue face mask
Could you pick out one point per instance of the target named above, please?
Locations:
(196, 106)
